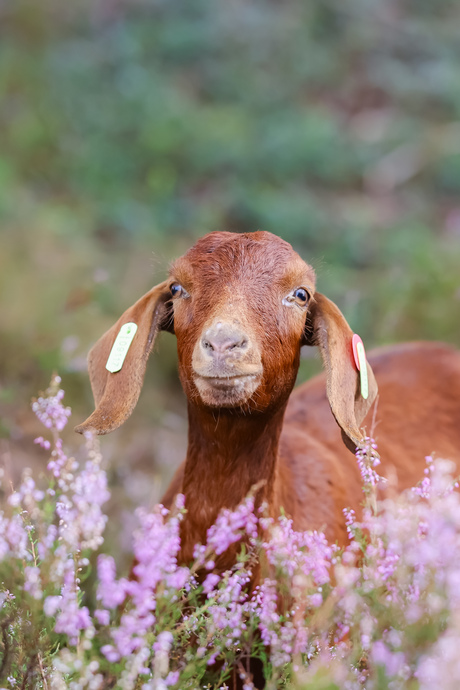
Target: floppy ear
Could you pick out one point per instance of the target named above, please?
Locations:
(116, 394)
(327, 328)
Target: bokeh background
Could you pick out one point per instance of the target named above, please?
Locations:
(129, 128)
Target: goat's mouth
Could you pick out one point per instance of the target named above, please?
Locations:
(227, 391)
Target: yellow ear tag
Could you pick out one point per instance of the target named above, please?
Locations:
(120, 347)
(359, 354)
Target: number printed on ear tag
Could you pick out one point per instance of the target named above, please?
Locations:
(359, 354)
(120, 347)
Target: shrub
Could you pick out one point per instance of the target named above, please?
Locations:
(381, 613)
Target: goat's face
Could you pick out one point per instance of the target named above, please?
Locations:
(239, 305)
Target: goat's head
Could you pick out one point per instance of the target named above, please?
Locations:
(239, 315)
(241, 307)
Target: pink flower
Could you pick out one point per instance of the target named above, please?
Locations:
(231, 525)
(210, 582)
(50, 410)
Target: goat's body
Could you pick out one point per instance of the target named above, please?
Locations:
(241, 307)
(418, 413)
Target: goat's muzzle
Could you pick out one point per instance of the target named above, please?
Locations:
(226, 364)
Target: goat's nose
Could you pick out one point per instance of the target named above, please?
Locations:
(221, 339)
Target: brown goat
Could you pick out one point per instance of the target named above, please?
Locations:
(241, 307)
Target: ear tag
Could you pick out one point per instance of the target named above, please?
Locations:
(120, 347)
(359, 355)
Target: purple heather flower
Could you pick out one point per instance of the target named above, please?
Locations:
(266, 599)
(178, 579)
(59, 461)
(27, 495)
(316, 599)
(32, 581)
(46, 543)
(71, 617)
(110, 653)
(367, 458)
(50, 410)
(210, 582)
(231, 525)
(163, 642)
(306, 552)
(102, 616)
(52, 604)
(172, 678)
(14, 540)
(162, 646)
(393, 662)
(423, 489)
(388, 564)
(156, 545)
(43, 442)
(110, 593)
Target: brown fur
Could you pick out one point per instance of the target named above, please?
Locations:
(239, 435)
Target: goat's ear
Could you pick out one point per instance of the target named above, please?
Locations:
(327, 328)
(116, 394)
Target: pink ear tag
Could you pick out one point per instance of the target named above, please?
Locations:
(359, 355)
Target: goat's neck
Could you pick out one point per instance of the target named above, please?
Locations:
(227, 455)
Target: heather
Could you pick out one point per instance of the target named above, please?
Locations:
(383, 612)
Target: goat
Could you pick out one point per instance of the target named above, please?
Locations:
(241, 307)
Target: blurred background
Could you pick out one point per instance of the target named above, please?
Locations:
(129, 128)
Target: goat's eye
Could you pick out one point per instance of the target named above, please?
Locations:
(301, 295)
(178, 291)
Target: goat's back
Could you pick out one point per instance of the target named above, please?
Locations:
(418, 414)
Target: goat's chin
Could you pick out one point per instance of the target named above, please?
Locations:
(227, 391)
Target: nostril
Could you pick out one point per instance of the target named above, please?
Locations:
(220, 341)
(240, 344)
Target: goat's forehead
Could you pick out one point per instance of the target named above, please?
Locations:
(258, 256)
